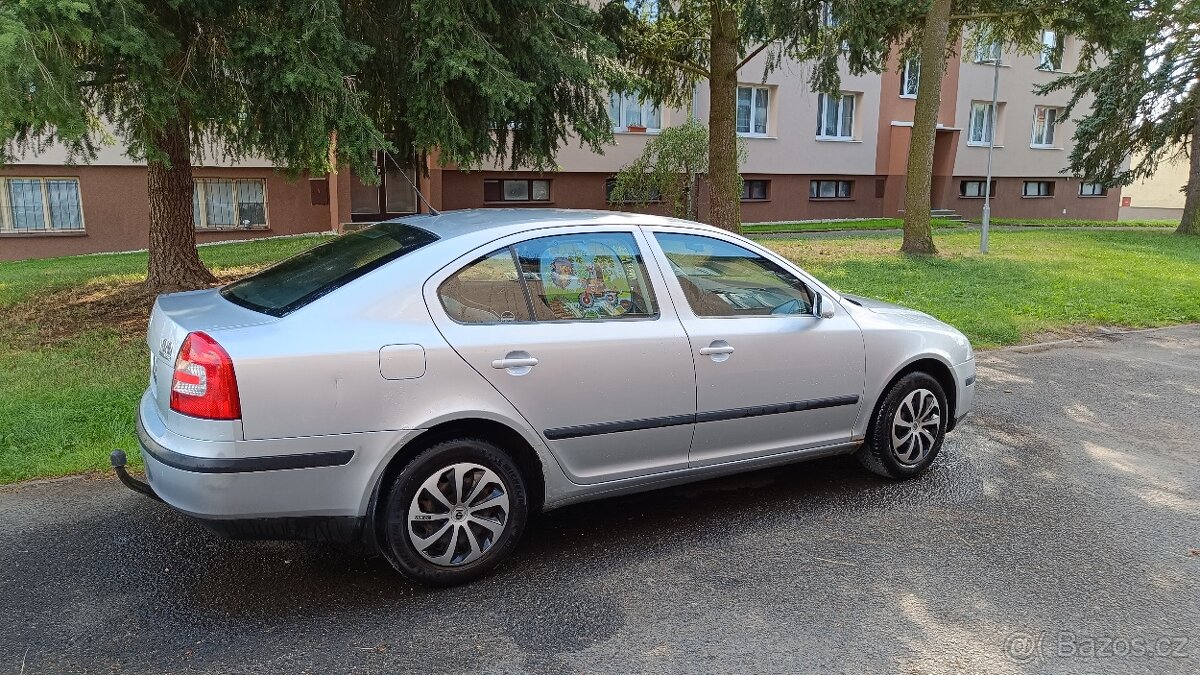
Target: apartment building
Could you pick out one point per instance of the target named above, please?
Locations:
(809, 156)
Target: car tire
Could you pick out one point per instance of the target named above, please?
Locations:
(907, 430)
(478, 519)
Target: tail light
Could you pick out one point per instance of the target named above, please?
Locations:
(203, 384)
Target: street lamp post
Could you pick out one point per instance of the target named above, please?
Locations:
(987, 184)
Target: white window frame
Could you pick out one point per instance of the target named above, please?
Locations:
(201, 225)
(1050, 44)
(989, 134)
(1025, 189)
(8, 226)
(1047, 136)
(909, 65)
(988, 52)
(824, 100)
(1090, 191)
(647, 110)
(757, 94)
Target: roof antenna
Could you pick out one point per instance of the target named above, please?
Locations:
(432, 211)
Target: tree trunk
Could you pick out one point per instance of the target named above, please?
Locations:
(725, 200)
(918, 235)
(174, 262)
(1190, 223)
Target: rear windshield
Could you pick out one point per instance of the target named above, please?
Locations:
(297, 281)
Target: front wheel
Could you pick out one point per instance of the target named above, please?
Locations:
(455, 512)
(907, 430)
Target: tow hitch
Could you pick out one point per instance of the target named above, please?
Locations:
(118, 463)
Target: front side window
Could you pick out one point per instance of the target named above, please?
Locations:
(1092, 190)
(752, 106)
(982, 126)
(516, 190)
(488, 290)
(830, 189)
(910, 78)
(1044, 120)
(835, 116)
(580, 277)
(285, 287)
(40, 205)
(1051, 51)
(721, 279)
(227, 203)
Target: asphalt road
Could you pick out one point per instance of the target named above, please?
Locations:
(1056, 534)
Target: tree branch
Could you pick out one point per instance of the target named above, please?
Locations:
(752, 54)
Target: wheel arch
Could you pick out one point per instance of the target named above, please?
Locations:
(508, 438)
(936, 368)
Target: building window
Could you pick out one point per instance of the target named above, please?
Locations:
(982, 126)
(610, 184)
(1044, 120)
(40, 205)
(516, 190)
(227, 203)
(835, 117)
(974, 188)
(910, 78)
(1051, 51)
(755, 190)
(752, 109)
(828, 18)
(1092, 190)
(1037, 188)
(630, 110)
(987, 51)
(830, 189)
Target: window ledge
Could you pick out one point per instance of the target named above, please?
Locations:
(1091, 196)
(16, 234)
(836, 139)
(1037, 196)
(256, 228)
(752, 201)
(970, 197)
(973, 144)
(1044, 147)
(831, 199)
(766, 136)
(992, 64)
(626, 132)
(910, 97)
(515, 203)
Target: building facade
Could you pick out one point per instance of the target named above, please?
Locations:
(809, 156)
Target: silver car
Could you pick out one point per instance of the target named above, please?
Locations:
(427, 384)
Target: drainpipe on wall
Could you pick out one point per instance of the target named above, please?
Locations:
(987, 183)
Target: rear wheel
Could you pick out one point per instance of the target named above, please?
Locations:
(455, 512)
(907, 430)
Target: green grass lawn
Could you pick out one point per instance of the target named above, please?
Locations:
(835, 225)
(1070, 222)
(68, 399)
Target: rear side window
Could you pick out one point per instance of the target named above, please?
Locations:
(486, 291)
(575, 277)
(301, 279)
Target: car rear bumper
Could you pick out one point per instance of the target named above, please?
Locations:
(309, 488)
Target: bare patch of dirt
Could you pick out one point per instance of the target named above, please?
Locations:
(121, 305)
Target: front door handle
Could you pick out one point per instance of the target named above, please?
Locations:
(719, 351)
(516, 363)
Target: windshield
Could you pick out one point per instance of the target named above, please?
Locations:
(283, 288)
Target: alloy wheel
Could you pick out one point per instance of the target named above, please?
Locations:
(915, 427)
(458, 514)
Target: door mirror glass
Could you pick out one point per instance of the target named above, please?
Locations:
(723, 279)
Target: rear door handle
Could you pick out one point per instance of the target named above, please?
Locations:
(719, 351)
(516, 363)
(505, 364)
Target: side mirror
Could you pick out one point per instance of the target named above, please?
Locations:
(821, 307)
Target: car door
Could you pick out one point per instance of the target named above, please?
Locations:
(771, 374)
(575, 329)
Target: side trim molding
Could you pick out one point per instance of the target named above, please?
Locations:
(175, 460)
(562, 433)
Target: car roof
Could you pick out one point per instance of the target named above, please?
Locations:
(450, 224)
